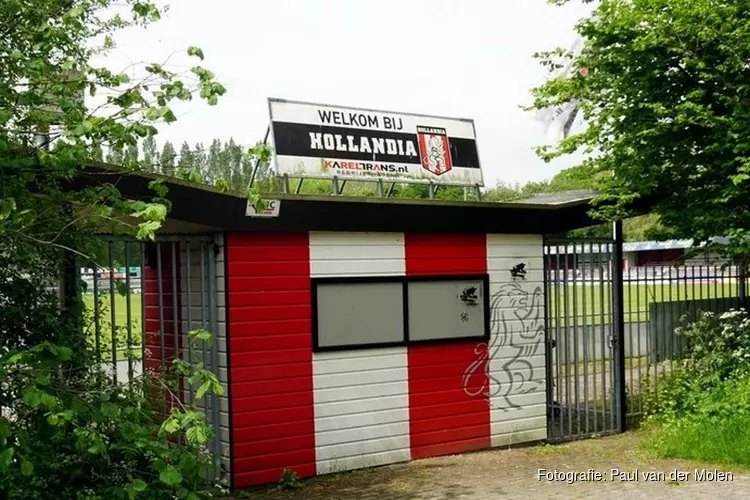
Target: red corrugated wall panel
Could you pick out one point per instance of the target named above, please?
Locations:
(443, 418)
(270, 352)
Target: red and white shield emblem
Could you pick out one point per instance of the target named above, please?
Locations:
(434, 149)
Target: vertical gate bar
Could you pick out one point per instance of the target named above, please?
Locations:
(602, 336)
(734, 289)
(737, 288)
(711, 283)
(575, 343)
(742, 283)
(618, 310)
(142, 249)
(204, 314)
(710, 287)
(214, 351)
(730, 286)
(567, 338)
(650, 337)
(559, 336)
(672, 308)
(631, 353)
(97, 319)
(129, 312)
(613, 367)
(189, 278)
(207, 402)
(584, 341)
(596, 264)
(175, 313)
(686, 286)
(639, 346)
(698, 302)
(548, 339)
(113, 317)
(651, 300)
(726, 286)
(160, 301)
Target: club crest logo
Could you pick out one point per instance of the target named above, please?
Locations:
(434, 150)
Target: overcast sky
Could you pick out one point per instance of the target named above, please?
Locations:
(463, 58)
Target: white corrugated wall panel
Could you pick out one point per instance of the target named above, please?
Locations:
(361, 397)
(516, 351)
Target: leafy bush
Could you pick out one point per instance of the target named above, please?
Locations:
(719, 346)
(701, 409)
(82, 437)
(718, 349)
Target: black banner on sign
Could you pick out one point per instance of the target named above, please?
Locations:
(315, 141)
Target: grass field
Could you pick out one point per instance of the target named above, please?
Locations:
(592, 302)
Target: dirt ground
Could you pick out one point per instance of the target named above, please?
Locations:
(514, 473)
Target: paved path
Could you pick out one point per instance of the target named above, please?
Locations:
(513, 474)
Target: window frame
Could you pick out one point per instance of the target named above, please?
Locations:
(404, 281)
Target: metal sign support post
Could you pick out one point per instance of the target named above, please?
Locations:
(257, 160)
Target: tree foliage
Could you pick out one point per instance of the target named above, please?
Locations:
(66, 430)
(664, 87)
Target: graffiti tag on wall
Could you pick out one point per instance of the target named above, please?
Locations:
(516, 326)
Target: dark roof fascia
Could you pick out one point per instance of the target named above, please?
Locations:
(199, 204)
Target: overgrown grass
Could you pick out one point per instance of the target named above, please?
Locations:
(724, 441)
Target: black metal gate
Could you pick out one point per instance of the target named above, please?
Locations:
(141, 300)
(582, 399)
(611, 327)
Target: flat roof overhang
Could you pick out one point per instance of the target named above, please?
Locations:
(203, 206)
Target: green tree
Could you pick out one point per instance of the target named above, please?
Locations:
(664, 89)
(214, 168)
(185, 160)
(131, 156)
(74, 433)
(150, 154)
(199, 159)
(167, 159)
(115, 157)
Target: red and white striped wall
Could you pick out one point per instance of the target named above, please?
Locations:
(319, 413)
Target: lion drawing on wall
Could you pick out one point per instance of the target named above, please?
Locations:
(516, 325)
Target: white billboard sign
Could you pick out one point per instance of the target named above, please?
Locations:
(322, 141)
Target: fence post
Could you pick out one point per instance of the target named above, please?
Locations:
(742, 285)
(618, 318)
